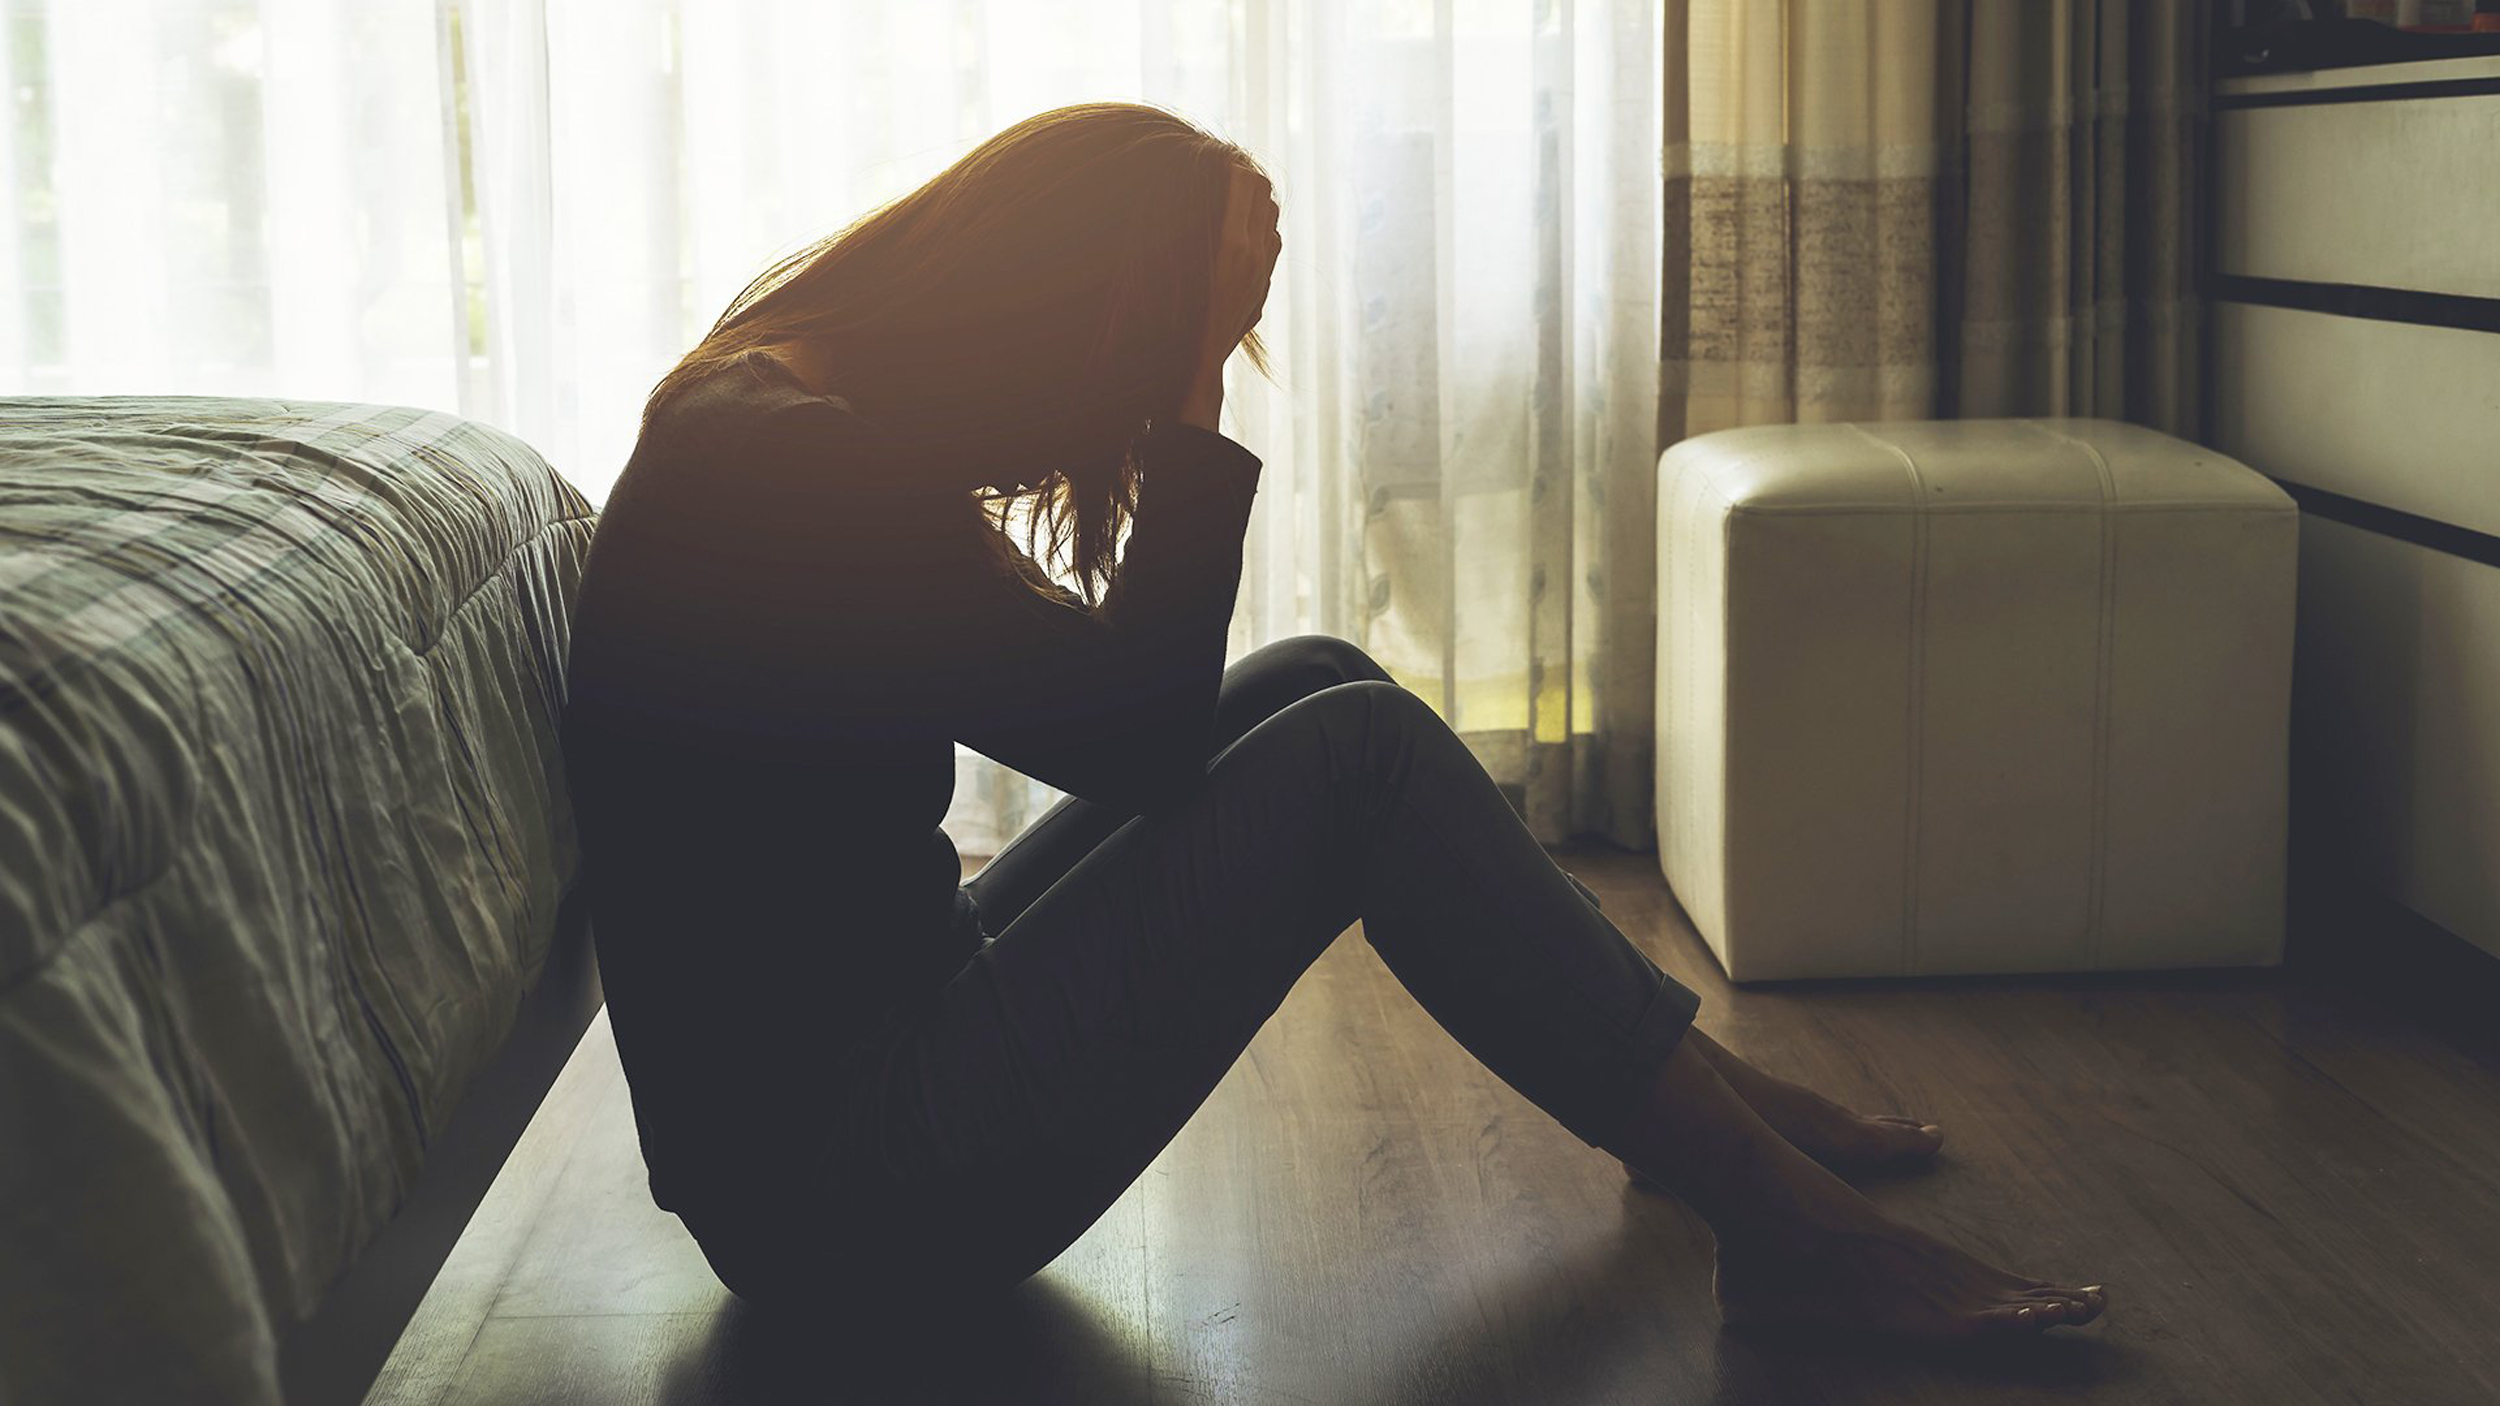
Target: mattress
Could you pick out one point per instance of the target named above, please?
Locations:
(283, 834)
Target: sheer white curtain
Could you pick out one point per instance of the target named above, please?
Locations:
(523, 210)
(235, 198)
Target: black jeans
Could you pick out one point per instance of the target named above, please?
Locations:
(1129, 960)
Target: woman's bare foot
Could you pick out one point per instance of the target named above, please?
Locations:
(1890, 1281)
(1799, 1246)
(1837, 1137)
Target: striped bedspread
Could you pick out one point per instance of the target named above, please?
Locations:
(282, 838)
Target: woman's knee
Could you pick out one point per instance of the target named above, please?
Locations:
(1315, 662)
(1392, 705)
(1273, 677)
(1367, 725)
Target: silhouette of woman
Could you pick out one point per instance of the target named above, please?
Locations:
(858, 1079)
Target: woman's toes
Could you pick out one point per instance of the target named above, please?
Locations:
(1900, 1282)
(1890, 1138)
(2043, 1310)
(2063, 1306)
(2007, 1318)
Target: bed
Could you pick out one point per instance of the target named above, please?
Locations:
(287, 945)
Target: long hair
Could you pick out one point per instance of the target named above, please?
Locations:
(1053, 282)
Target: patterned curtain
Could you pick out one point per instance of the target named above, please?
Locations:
(2083, 135)
(1807, 180)
(1931, 208)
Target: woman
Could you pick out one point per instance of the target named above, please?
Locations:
(853, 1075)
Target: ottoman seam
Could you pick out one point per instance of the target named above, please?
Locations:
(1911, 961)
(1917, 700)
(2096, 871)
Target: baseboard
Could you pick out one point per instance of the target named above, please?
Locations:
(2347, 938)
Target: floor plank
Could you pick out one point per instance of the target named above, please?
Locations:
(2292, 1189)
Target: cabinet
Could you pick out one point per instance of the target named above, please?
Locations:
(2355, 357)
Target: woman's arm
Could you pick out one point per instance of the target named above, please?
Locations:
(1115, 704)
(916, 624)
(1155, 650)
(831, 599)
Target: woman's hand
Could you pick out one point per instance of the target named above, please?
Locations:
(1244, 264)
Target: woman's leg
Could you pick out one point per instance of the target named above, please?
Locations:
(1837, 1137)
(1042, 1079)
(1255, 687)
(1797, 1246)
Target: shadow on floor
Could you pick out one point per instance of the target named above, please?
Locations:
(1590, 1351)
(1038, 1343)
(1551, 1332)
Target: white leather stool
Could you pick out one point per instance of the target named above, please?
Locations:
(1972, 696)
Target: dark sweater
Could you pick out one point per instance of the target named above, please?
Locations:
(779, 637)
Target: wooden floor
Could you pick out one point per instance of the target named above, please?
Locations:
(2290, 1183)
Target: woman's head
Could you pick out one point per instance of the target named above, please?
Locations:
(1020, 317)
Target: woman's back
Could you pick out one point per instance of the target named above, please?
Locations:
(761, 840)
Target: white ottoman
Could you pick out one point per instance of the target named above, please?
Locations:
(1972, 696)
